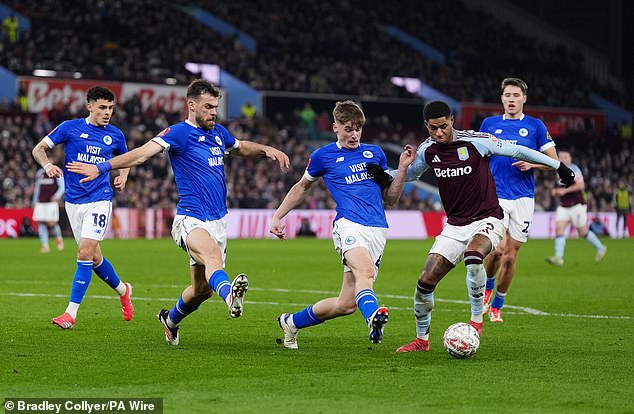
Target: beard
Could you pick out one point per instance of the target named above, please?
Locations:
(206, 124)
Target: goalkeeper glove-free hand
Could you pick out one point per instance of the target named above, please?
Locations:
(378, 175)
(566, 175)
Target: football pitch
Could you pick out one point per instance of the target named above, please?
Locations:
(566, 343)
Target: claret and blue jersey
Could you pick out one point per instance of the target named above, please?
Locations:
(197, 158)
(530, 132)
(358, 198)
(90, 144)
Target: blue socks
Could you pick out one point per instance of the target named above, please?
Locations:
(83, 274)
(498, 300)
(305, 318)
(106, 272)
(490, 283)
(180, 310)
(219, 282)
(367, 303)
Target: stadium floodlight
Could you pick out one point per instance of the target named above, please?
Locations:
(44, 73)
(412, 85)
(170, 81)
(77, 75)
(206, 70)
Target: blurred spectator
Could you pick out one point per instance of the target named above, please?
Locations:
(305, 228)
(309, 120)
(248, 110)
(623, 206)
(26, 228)
(10, 29)
(626, 131)
(598, 227)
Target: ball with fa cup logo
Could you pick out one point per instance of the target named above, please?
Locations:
(461, 340)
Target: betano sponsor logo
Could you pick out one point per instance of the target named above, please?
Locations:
(452, 172)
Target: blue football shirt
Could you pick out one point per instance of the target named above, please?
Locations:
(358, 198)
(91, 144)
(197, 158)
(530, 132)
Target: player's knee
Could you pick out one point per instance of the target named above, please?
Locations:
(86, 253)
(497, 252)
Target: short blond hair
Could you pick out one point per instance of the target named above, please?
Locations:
(348, 111)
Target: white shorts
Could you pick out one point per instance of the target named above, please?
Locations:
(347, 235)
(46, 212)
(217, 229)
(577, 215)
(90, 220)
(452, 242)
(518, 216)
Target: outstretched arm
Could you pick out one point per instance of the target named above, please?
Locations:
(121, 180)
(579, 185)
(500, 147)
(124, 161)
(525, 166)
(293, 198)
(393, 192)
(253, 149)
(40, 154)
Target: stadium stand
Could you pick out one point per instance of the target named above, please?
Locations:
(329, 59)
(253, 184)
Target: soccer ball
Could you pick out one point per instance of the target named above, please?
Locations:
(461, 340)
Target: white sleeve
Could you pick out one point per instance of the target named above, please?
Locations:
(162, 143)
(48, 141)
(494, 146)
(236, 145)
(418, 166)
(309, 177)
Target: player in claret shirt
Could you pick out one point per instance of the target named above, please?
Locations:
(573, 210)
(88, 205)
(460, 160)
(359, 228)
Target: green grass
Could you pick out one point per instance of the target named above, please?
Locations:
(565, 344)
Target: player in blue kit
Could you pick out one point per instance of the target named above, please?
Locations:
(515, 186)
(359, 228)
(88, 205)
(460, 161)
(196, 149)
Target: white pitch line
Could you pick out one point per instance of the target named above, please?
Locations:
(284, 290)
(461, 302)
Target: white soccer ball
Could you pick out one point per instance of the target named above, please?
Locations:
(461, 340)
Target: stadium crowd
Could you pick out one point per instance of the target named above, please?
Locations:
(330, 59)
(252, 183)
